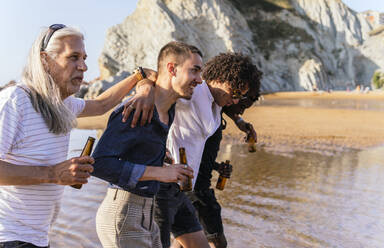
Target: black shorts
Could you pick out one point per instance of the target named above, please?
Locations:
(174, 213)
(209, 211)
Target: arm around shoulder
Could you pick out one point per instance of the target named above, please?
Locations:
(114, 95)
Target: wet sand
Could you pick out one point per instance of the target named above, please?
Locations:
(315, 128)
(300, 128)
(379, 95)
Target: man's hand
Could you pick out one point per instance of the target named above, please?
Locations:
(151, 74)
(175, 173)
(72, 171)
(225, 169)
(143, 103)
(247, 128)
(168, 174)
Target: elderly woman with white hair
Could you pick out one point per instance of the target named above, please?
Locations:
(36, 117)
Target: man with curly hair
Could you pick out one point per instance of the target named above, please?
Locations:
(203, 196)
(228, 77)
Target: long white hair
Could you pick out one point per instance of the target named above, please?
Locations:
(43, 91)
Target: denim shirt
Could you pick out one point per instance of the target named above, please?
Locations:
(123, 153)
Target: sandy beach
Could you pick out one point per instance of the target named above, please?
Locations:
(299, 128)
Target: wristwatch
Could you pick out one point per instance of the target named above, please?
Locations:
(140, 74)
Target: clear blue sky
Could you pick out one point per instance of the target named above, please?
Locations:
(363, 5)
(22, 20)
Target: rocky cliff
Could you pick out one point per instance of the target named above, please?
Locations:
(298, 44)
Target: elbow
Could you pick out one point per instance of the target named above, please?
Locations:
(103, 107)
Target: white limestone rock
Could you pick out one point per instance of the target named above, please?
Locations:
(305, 43)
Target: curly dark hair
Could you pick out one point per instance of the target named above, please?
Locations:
(235, 68)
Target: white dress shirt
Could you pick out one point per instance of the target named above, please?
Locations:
(195, 121)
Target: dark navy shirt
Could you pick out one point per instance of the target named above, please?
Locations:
(123, 153)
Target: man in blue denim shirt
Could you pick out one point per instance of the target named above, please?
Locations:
(131, 159)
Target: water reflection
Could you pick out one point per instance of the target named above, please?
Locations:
(272, 200)
(358, 104)
(308, 200)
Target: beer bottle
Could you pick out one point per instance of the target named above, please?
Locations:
(86, 152)
(250, 140)
(251, 144)
(183, 160)
(222, 177)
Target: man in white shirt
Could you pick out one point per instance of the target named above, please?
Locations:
(227, 78)
(36, 118)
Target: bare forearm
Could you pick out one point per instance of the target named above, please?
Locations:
(114, 95)
(168, 174)
(68, 172)
(151, 173)
(11, 174)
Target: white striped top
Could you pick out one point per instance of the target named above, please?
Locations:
(26, 212)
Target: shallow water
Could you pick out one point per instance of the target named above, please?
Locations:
(358, 104)
(293, 200)
(274, 199)
(304, 200)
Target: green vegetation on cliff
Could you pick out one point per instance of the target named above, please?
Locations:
(266, 5)
(378, 80)
(266, 33)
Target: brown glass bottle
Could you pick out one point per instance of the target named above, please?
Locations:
(85, 152)
(183, 160)
(250, 140)
(222, 178)
(251, 144)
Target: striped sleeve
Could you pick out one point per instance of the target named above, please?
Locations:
(76, 105)
(10, 123)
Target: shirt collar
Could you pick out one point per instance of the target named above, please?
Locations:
(208, 91)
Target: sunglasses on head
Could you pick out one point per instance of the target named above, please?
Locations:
(52, 29)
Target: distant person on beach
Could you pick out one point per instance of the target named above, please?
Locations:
(36, 118)
(228, 77)
(132, 159)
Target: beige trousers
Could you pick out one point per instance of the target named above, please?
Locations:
(126, 220)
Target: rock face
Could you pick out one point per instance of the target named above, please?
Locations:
(298, 44)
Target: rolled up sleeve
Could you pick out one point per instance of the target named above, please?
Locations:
(130, 175)
(119, 172)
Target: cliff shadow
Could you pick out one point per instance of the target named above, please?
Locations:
(343, 65)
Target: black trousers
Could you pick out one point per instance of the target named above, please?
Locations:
(203, 197)
(19, 244)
